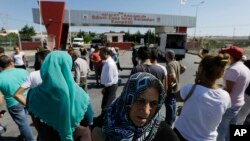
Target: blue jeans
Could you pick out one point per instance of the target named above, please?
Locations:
(170, 104)
(19, 115)
(228, 118)
(244, 111)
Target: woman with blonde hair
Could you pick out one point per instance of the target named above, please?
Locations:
(207, 102)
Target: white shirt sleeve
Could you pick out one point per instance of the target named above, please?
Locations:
(185, 90)
(77, 73)
(109, 75)
(27, 83)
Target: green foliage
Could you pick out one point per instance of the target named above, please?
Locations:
(9, 40)
(103, 38)
(138, 33)
(149, 37)
(87, 38)
(216, 44)
(112, 31)
(126, 36)
(212, 44)
(26, 32)
(241, 43)
(92, 34)
(13, 37)
(80, 34)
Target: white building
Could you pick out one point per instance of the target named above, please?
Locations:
(114, 37)
(39, 37)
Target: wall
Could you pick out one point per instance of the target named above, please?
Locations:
(122, 45)
(30, 45)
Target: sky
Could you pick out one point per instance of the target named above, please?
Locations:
(214, 17)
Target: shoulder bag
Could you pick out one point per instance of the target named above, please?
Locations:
(179, 108)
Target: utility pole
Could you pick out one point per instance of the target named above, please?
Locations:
(40, 20)
(196, 16)
(4, 20)
(69, 26)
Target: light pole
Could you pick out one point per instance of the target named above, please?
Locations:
(69, 26)
(196, 15)
(19, 41)
(40, 20)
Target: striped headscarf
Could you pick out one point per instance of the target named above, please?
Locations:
(117, 124)
(58, 101)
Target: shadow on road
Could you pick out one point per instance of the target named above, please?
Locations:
(93, 85)
(10, 139)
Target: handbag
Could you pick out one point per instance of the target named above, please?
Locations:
(179, 108)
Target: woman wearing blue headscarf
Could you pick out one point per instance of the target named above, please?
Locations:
(58, 104)
(135, 115)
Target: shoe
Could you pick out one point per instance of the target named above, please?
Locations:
(3, 129)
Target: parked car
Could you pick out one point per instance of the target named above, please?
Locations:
(97, 41)
(77, 42)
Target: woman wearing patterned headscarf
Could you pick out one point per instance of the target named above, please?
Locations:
(57, 105)
(135, 115)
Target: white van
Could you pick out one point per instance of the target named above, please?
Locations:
(77, 42)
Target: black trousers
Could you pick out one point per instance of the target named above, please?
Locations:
(22, 67)
(98, 71)
(109, 94)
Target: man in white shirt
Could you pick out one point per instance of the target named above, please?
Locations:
(80, 69)
(32, 80)
(109, 78)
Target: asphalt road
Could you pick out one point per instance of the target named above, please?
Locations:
(95, 92)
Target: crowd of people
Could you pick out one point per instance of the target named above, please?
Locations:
(56, 95)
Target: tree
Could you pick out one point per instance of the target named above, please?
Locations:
(149, 37)
(127, 36)
(80, 34)
(26, 32)
(9, 40)
(13, 37)
(87, 38)
(137, 37)
(92, 34)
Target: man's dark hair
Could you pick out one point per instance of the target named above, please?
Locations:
(1, 50)
(97, 47)
(5, 61)
(205, 51)
(39, 57)
(144, 53)
(154, 54)
(43, 54)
